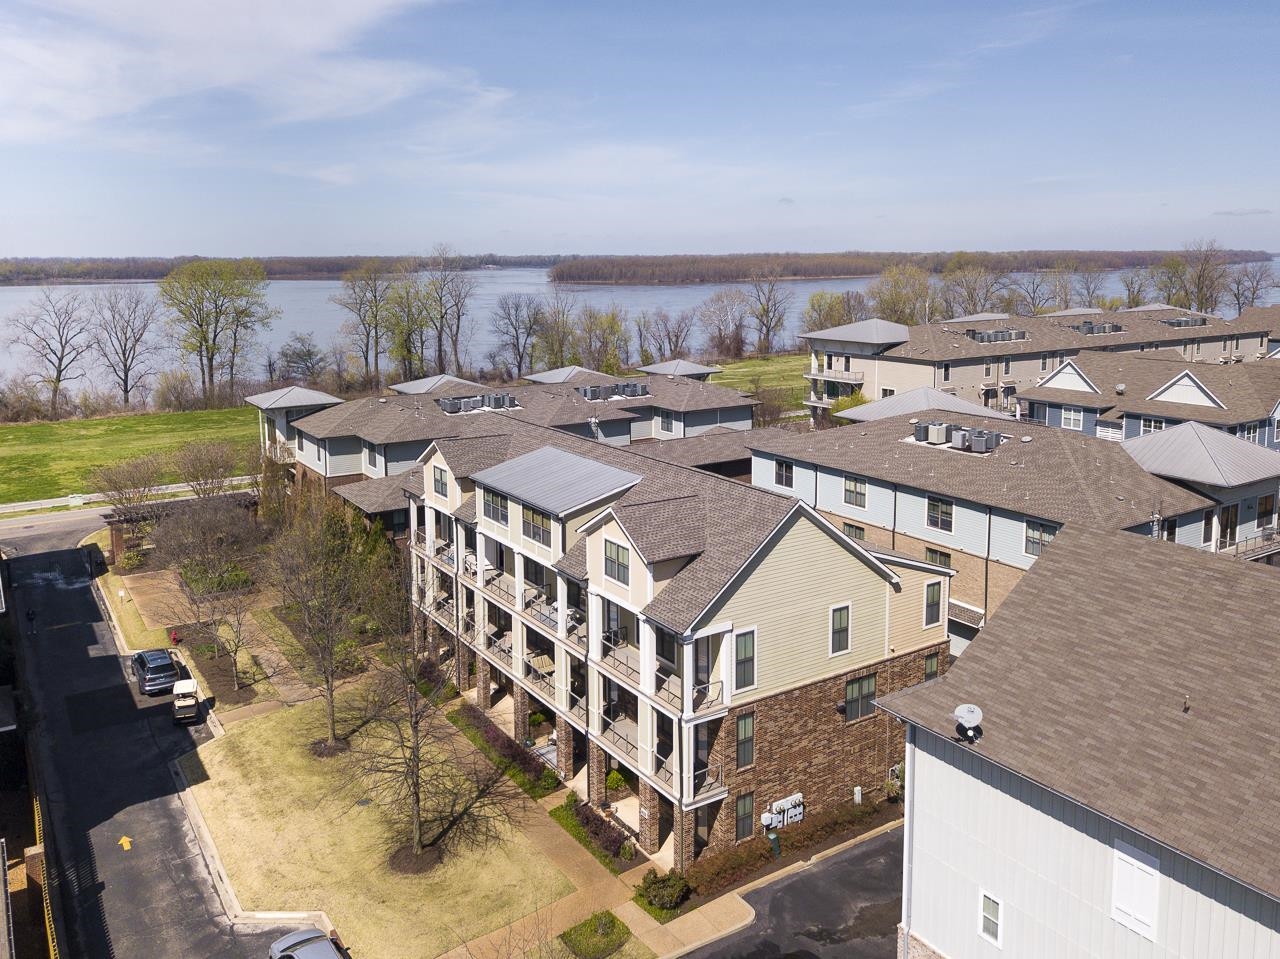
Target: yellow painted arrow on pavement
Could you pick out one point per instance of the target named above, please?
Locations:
(125, 843)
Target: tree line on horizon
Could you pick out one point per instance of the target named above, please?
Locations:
(740, 267)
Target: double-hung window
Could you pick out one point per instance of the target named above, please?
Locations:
(946, 372)
(938, 513)
(784, 473)
(495, 507)
(1039, 535)
(1266, 510)
(855, 491)
(370, 454)
(854, 531)
(745, 816)
(933, 603)
(1151, 424)
(986, 368)
(1072, 418)
(839, 630)
(991, 919)
(859, 697)
(744, 659)
(1251, 432)
(439, 481)
(746, 740)
(667, 422)
(536, 525)
(931, 667)
(617, 563)
(1044, 362)
(1006, 365)
(1206, 527)
(938, 557)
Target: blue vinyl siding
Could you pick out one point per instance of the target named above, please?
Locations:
(879, 508)
(402, 456)
(1053, 417)
(968, 522)
(804, 475)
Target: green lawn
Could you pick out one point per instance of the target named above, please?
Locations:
(44, 460)
(786, 372)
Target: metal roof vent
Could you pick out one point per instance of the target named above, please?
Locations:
(1025, 439)
(1119, 389)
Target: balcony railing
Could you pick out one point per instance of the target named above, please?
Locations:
(578, 707)
(667, 686)
(619, 655)
(467, 632)
(575, 623)
(499, 644)
(622, 732)
(538, 606)
(707, 778)
(501, 585)
(419, 539)
(707, 695)
(540, 666)
(664, 767)
(1265, 542)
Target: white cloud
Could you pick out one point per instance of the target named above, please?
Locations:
(69, 66)
(1244, 211)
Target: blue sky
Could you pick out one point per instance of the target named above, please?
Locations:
(386, 126)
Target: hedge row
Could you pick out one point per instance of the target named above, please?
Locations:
(600, 830)
(710, 874)
(528, 771)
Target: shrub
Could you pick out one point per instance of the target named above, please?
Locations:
(204, 582)
(615, 781)
(571, 799)
(130, 559)
(628, 851)
(664, 892)
(548, 781)
(596, 937)
(600, 830)
(347, 659)
(537, 719)
(506, 750)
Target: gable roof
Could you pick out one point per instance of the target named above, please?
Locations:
(291, 397)
(875, 332)
(568, 374)
(432, 384)
(1195, 453)
(381, 494)
(919, 400)
(678, 368)
(555, 480)
(470, 454)
(1089, 701)
(1058, 475)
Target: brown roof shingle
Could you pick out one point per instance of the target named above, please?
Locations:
(1082, 676)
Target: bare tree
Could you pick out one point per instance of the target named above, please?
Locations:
(130, 488)
(1136, 283)
(1062, 280)
(770, 299)
(553, 342)
(1207, 275)
(903, 293)
(1089, 285)
(515, 322)
(671, 335)
(302, 359)
(125, 318)
(365, 292)
(207, 467)
(333, 575)
(1249, 283)
(601, 341)
(1033, 290)
(57, 331)
(1169, 278)
(450, 289)
(723, 317)
(969, 287)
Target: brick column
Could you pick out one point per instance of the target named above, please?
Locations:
(520, 703)
(683, 829)
(464, 658)
(650, 807)
(597, 769)
(564, 748)
(484, 691)
(117, 542)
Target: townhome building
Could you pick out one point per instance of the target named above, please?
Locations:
(669, 624)
(1116, 396)
(978, 494)
(277, 409)
(1097, 777)
(988, 358)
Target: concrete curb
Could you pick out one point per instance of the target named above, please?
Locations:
(783, 873)
(221, 882)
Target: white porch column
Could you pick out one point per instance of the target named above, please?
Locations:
(686, 675)
(561, 679)
(562, 606)
(595, 620)
(480, 563)
(685, 733)
(518, 589)
(595, 698)
(648, 655)
(727, 662)
(644, 736)
(518, 646)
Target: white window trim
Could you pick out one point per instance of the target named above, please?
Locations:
(939, 529)
(831, 654)
(1075, 411)
(998, 941)
(1153, 420)
(866, 491)
(755, 657)
(604, 566)
(942, 612)
(1026, 535)
(777, 463)
(1123, 852)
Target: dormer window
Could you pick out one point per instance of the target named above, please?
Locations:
(617, 563)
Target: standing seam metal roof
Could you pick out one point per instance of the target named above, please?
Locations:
(555, 480)
(1195, 453)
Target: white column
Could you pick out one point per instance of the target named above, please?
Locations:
(595, 698)
(686, 765)
(479, 559)
(644, 736)
(595, 620)
(519, 577)
(726, 666)
(562, 606)
(648, 655)
(562, 679)
(686, 674)
(517, 646)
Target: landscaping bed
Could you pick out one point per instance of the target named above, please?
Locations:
(214, 665)
(526, 770)
(596, 937)
(612, 847)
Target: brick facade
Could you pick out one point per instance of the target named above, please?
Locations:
(564, 748)
(464, 666)
(650, 809)
(803, 744)
(520, 717)
(484, 686)
(597, 769)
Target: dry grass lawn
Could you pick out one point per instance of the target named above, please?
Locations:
(292, 837)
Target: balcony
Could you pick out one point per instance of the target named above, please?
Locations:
(497, 642)
(575, 623)
(578, 707)
(442, 608)
(540, 670)
(839, 375)
(419, 540)
(664, 767)
(707, 696)
(619, 656)
(501, 585)
(707, 778)
(537, 605)
(1254, 547)
(281, 452)
(622, 733)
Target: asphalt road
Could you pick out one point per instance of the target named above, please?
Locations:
(104, 752)
(847, 906)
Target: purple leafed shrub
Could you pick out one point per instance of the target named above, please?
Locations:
(602, 832)
(503, 745)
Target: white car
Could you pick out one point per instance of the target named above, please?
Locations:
(308, 944)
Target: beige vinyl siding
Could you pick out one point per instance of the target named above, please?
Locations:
(787, 595)
(664, 571)
(575, 521)
(636, 595)
(492, 527)
(454, 499)
(906, 611)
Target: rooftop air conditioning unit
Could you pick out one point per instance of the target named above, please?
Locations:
(451, 404)
(960, 440)
(979, 441)
(1223, 360)
(938, 433)
(922, 432)
(593, 392)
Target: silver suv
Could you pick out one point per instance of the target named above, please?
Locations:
(308, 944)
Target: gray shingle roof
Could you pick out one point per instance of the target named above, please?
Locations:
(682, 395)
(666, 528)
(1059, 475)
(1082, 676)
(714, 446)
(291, 397)
(382, 494)
(1195, 453)
(875, 332)
(915, 401)
(555, 480)
(471, 454)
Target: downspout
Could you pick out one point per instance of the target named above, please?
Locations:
(893, 533)
(986, 567)
(908, 844)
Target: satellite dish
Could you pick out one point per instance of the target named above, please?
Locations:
(968, 719)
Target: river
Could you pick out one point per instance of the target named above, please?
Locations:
(306, 305)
